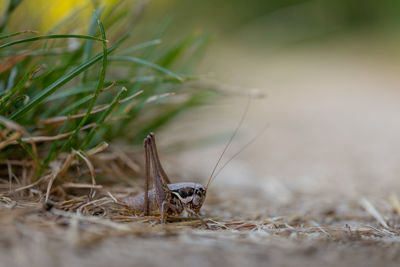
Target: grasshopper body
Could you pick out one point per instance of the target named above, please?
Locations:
(165, 198)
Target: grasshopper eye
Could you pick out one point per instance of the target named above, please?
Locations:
(190, 192)
(182, 193)
(185, 192)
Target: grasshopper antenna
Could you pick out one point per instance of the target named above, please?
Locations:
(243, 148)
(230, 141)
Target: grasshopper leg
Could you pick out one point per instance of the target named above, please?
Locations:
(146, 196)
(160, 180)
(165, 205)
(157, 162)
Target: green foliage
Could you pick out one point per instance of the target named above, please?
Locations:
(52, 85)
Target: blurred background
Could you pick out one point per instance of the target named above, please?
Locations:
(329, 71)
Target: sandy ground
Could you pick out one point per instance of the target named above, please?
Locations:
(319, 187)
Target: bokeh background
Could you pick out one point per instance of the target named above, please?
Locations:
(330, 74)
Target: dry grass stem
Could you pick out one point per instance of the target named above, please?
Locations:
(91, 169)
(395, 202)
(371, 210)
(97, 149)
(76, 185)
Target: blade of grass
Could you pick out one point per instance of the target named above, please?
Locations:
(140, 46)
(98, 89)
(80, 101)
(76, 104)
(28, 149)
(95, 109)
(172, 55)
(153, 79)
(70, 92)
(87, 48)
(101, 120)
(200, 48)
(63, 80)
(133, 17)
(39, 52)
(11, 78)
(146, 63)
(52, 36)
(164, 25)
(5, 99)
(16, 33)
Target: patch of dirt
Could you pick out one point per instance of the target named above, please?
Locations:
(342, 232)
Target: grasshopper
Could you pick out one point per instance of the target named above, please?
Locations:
(167, 198)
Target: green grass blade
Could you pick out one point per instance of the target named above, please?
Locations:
(87, 48)
(100, 85)
(70, 92)
(140, 46)
(11, 78)
(101, 120)
(4, 100)
(28, 149)
(146, 63)
(15, 34)
(63, 80)
(52, 36)
(171, 56)
(164, 25)
(76, 104)
(198, 51)
(39, 52)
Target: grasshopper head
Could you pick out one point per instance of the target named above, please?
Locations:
(192, 196)
(199, 195)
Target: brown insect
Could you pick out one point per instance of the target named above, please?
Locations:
(168, 198)
(165, 198)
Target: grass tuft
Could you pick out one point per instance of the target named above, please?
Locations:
(66, 101)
